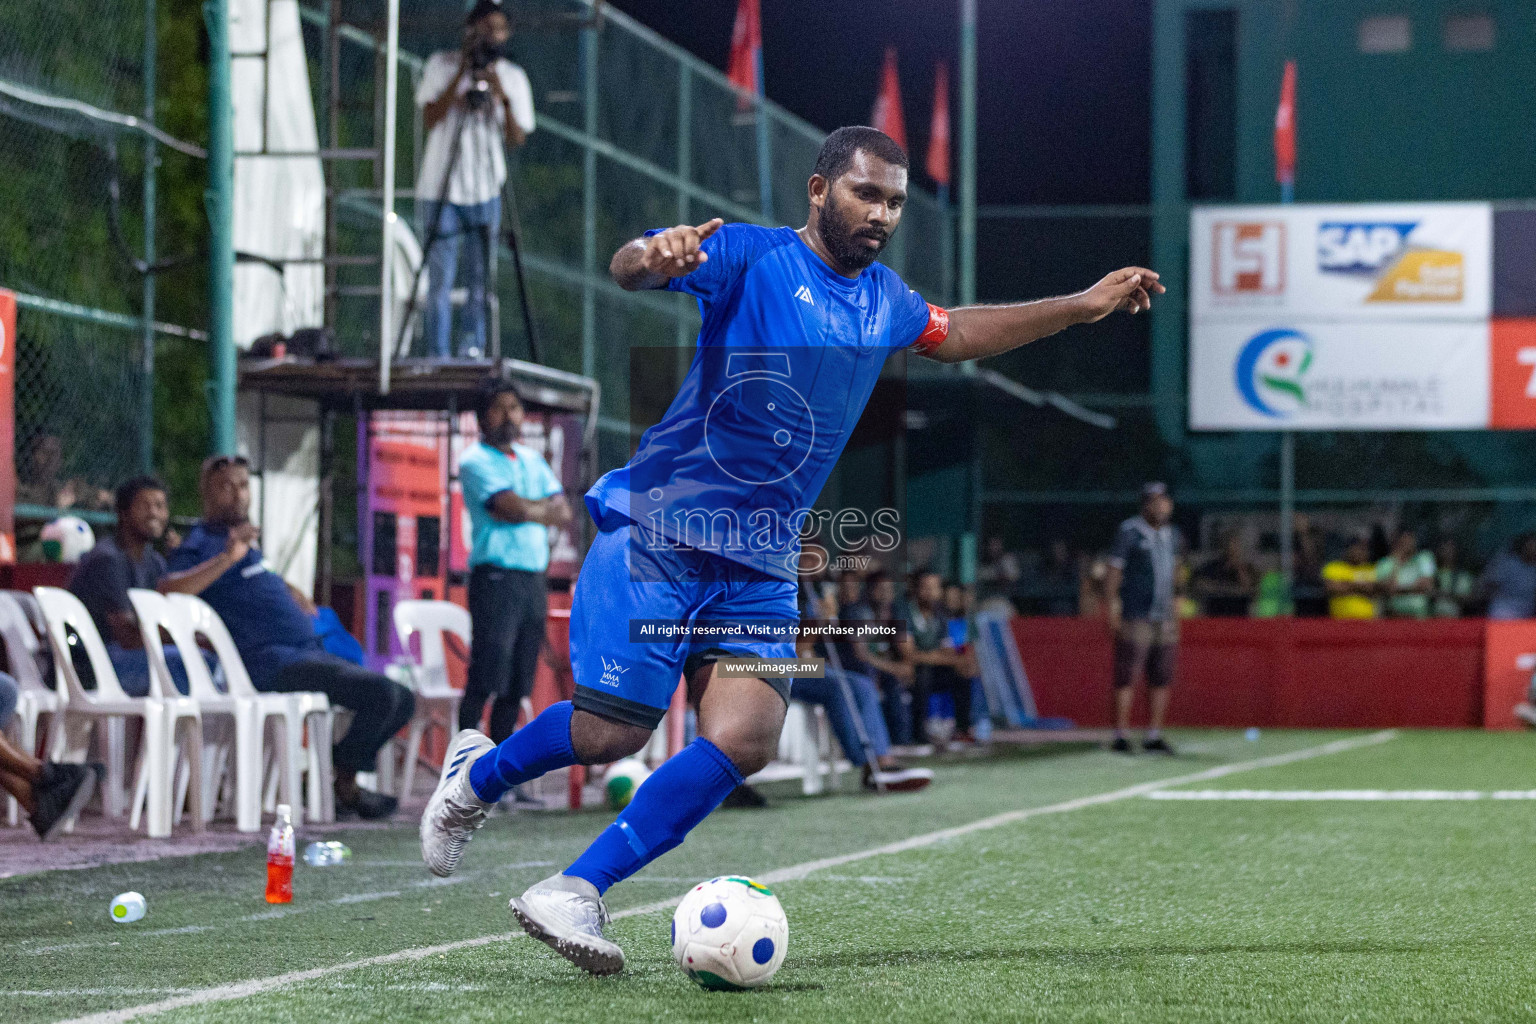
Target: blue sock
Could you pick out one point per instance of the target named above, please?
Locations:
(665, 808)
(541, 746)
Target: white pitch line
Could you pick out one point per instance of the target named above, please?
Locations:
(256, 986)
(1343, 795)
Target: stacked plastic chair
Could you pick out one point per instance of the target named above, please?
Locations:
(167, 718)
(193, 618)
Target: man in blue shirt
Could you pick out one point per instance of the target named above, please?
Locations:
(220, 562)
(703, 526)
(513, 499)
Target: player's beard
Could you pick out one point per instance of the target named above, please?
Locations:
(844, 241)
(501, 436)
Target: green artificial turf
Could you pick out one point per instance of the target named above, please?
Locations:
(1130, 910)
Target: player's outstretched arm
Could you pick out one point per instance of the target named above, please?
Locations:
(651, 262)
(976, 332)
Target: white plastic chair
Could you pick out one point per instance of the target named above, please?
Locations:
(194, 615)
(437, 703)
(165, 716)
(248, 713)
(36, 698)
(806, 752)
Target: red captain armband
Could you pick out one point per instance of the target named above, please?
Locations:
(934, 334)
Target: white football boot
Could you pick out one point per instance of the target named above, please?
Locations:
(454, 812)
(567, 914)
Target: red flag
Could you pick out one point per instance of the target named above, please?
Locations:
(938, 132)
(887, 113)
(746, 51)
(1285, 127)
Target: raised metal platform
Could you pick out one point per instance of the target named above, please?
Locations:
(349, 383)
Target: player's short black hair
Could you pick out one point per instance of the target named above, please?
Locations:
(837, 151)
(491, 392)
(483, 8)
(128, 490)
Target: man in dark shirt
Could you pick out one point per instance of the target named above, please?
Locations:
(128, 559)
(940, 667)
(882, 660)
(277, 640)
(1142, 585)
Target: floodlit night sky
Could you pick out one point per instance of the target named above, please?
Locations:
(1064, 109)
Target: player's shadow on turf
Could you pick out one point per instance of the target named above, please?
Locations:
(1069, 955)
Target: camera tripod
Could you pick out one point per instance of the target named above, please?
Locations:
(477, 103)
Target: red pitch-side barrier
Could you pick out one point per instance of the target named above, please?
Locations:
(1298, 673)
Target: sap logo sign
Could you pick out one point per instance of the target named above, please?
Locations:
(1346, 248)
(1248, 258)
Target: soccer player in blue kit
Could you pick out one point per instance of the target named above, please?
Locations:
(703, 525)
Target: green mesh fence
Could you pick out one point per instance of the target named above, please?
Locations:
(72, 223)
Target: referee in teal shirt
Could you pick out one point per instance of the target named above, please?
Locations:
(513, 499)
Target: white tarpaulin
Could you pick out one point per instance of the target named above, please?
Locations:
(1370, 316)
(285, 482)
(279, 199)
(279, 215)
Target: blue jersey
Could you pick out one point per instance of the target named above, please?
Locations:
(788, 355)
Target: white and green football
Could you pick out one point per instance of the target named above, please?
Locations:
(730, 933)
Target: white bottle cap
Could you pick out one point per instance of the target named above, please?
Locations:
(285, 812)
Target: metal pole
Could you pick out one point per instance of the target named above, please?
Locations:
(327, 500)
(1287, 437)
(220, 201)
(589, 206)
(967, 152)
(684, 173)
(764, 153)
(1170, 218)
(147, 337)
(387, 255)
(1287, 506)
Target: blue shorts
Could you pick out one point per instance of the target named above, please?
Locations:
(624, 578)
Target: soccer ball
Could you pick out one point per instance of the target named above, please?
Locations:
(622, 779)
(66, 539)
(730, 933)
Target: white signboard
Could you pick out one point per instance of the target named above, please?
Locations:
(1364, 261)
(1286, 375)
(1371, 316)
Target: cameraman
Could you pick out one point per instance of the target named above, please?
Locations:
(481, 101)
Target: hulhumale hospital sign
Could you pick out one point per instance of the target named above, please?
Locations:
(1362, 317)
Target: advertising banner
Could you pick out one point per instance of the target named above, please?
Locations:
(1360, 262)
(1370, 316)
(1291, 375)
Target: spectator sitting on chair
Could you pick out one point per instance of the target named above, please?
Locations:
(1407, 577)
(483, 101)
(959, 606)
(513, 498)
(1351, 582)
(999, 571)
(1455, 587)
(880, 770)
(1510, 580)
(1225, 585)
(276, 638)
(51, 794)
(128, 559)
(938, 664)
(881, 660)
